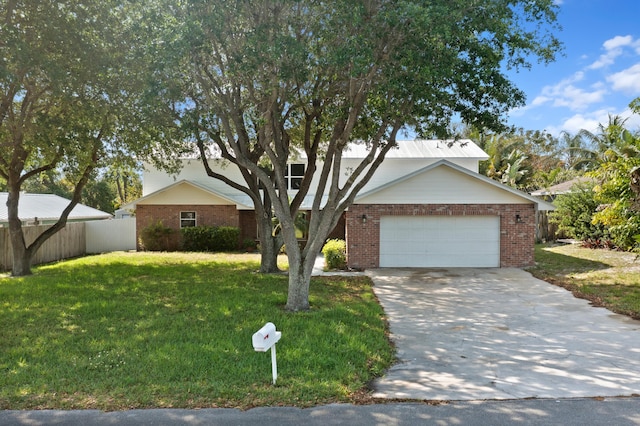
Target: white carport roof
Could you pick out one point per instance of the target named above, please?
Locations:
(48, 207)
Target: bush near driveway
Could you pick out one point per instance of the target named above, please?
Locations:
(141, 330)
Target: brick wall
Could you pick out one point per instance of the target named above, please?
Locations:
(517, 236)
(212, 215)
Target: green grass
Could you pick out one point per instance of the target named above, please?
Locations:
(605, 277)
(136, 330)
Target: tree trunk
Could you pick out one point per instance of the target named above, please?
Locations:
(300, 268)
(21, 265)
(298, 294)
(269, 247)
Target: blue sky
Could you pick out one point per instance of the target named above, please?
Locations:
(599, 73)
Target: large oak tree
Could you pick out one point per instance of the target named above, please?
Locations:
(71, 96)
(264, 81)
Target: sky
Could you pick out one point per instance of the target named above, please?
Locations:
(598, 73)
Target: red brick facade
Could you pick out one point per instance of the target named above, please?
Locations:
(517, 229)
(212, 215)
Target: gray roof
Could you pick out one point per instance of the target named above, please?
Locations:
(48, 207)
(562, 188)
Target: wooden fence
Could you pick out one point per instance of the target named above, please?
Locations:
(545, 229)
(70, 241)
(75, 239)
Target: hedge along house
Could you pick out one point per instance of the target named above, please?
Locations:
(426, 206)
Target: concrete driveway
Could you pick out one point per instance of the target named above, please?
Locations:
(473, 334)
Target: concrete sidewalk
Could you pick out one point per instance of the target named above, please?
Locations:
(476, 334)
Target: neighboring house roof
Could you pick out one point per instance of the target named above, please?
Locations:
(561, 188)
(509, 191)
(423, 148)
(47, 207)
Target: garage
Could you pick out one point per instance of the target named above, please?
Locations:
(440, 241)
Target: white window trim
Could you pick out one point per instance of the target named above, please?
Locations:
(194, 219)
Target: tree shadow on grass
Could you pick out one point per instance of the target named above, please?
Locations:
(559, 269)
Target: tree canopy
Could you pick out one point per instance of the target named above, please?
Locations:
(71, 96)
(262, 81)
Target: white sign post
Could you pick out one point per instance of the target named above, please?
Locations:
(264, 339)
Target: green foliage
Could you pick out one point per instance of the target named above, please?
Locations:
(156, 237)
(574, 214)
(152, 330)
(518, 158)
(210, 238)
(335, 254)
(249, 244)
(622, 223)
(620, 156)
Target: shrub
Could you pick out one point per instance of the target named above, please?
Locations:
(249, 244)
(210, 238)
(156, 237)
(226, 238)
(335, 254)
(197, 238)
(574, 214)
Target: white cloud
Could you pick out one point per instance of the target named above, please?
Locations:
(590, 121)
(627, 81)
(567, 94)
(613, 48)
(618, 41)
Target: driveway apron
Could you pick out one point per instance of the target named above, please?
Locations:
(473, 334)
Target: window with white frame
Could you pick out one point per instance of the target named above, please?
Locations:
(294, 175)
(187, 219)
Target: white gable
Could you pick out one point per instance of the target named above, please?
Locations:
(445, 183)
(185, 193)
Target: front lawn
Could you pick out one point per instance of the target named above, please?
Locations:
(137, 330)
(605, 277)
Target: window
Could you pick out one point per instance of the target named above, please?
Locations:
(187, 219)
(294, 175)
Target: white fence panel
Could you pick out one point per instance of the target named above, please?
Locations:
(111, 235)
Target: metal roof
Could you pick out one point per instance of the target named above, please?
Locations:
(48, 207)
(423, 148)
(417, 148)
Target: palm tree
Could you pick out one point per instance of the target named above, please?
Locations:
(575, 152)
(514, 171)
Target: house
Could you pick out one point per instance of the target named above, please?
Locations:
(566, 187)
(426, 206)
(43, 209)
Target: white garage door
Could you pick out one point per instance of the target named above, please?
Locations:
(440, 241)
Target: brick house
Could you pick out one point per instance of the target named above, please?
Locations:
(426, 206)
